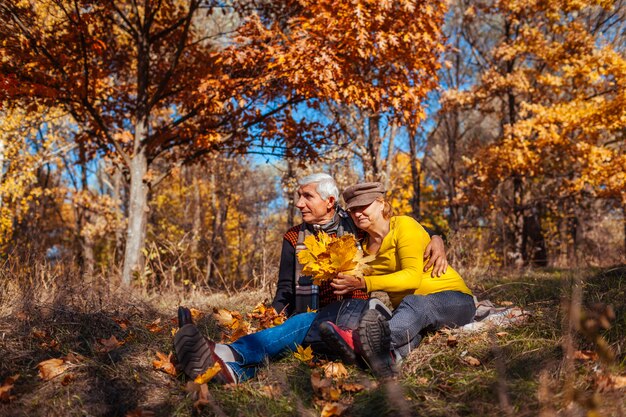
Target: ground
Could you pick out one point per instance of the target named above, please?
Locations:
(567, 358)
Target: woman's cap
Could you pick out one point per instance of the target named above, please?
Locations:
(362, 194)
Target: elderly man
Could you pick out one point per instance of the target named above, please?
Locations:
(239, 360)
(318, 197)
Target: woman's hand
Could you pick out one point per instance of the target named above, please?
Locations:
(436, 254)
(345, 284)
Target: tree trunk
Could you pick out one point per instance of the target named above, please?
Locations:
(624, 222)
(373, 149)
(452, 138)
(518, 223)
(122, 198)
(390, 155)
(534, 240)
(196, 225)
(2, 152)
(415, 176)
(137, 215)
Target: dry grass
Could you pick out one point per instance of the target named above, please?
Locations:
(48, 311)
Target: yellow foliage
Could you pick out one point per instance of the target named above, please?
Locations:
(325, 257)
(304, 355)
(209, 374)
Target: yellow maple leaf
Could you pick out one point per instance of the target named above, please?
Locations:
(209, 374)
(326, 256)
(304, 355)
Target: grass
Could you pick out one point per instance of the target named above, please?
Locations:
(522, 370)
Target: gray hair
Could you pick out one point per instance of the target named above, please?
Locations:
(326, 185)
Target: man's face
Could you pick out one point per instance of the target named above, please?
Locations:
(314, 210)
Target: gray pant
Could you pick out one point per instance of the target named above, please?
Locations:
(418, 314)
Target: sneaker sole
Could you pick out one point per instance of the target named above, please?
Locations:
(336, 343)
(374, 339)
(192, 350)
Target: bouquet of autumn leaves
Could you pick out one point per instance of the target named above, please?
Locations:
(326, 256)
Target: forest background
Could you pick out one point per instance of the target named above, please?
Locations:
(157, 144)
(180, 161)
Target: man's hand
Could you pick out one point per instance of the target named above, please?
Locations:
(435, 253)
(345, 284)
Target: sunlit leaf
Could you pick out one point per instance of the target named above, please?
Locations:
(333, 409)
(164, 363)
(304, 354)
(208, 374)
(52, 368)
(335, 370)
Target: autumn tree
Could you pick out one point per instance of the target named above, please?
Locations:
(543, 59)
(169, 81)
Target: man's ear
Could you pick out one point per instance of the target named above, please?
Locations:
(331, 202)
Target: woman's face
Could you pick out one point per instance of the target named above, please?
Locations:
(365, 217)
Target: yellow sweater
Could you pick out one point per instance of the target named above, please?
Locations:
(399, 264)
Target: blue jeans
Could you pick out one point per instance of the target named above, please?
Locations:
(254, 349)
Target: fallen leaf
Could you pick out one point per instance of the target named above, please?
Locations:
(21, 316)
(586, 355)
(610, 382)
(304, 355)
(223, 317)
(196, 314)
(506, 303)
(240, 328)
(209, 374)
(352, 387)
(6, 387)
(502, 334)
(335, 370)
(452, 341)
(107, 345)
(155, 326)
(67, 379)
(422, 380)
(123, 323)
(164, 363)
(319, 384)
(203, 397)
(333, 409)
(39, 334)
(73, 358)
(51, 345)
(52, 368)
(271, 391)
(470, 360)
(334, 393)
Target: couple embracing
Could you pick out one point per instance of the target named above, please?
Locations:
(409, 265)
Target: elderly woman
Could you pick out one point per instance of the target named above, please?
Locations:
(421, 302)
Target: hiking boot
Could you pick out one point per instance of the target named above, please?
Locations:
(339, 341)
(196, 355)
(373, 339)
(184, 316)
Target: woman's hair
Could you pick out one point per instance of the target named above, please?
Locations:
(326, 185)
(387, 209)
